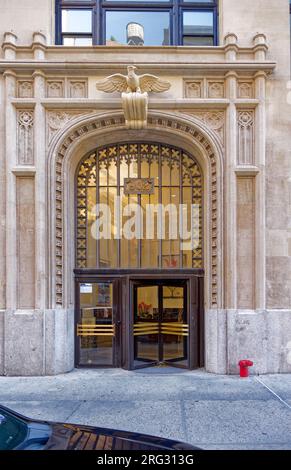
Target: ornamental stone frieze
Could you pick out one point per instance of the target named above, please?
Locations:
(66, 87)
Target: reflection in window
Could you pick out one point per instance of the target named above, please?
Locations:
(177, 179)
(76, 21)
(95, 325)
(137, 28)
(137, 23)
(77, 27)
(198, 28)
(77, 41)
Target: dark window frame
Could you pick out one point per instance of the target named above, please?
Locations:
(100, 7)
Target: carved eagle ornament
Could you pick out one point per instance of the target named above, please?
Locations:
(132, 83)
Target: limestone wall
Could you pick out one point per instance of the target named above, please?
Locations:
(231, 100)
(26, 16)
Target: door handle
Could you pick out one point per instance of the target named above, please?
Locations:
(118, 322)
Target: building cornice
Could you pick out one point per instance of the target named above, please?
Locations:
(171, 67)
(154, 103)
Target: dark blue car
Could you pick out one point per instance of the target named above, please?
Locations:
(18, 432)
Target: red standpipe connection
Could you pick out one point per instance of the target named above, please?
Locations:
(244, 367)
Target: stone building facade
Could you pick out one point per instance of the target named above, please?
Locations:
(227, 107)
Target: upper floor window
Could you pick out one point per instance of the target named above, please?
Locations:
(132, 22)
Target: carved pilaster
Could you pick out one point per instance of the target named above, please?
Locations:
(245, 135)
(25, 121)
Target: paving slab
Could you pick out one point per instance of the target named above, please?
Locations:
(44, 410)
(253, 421)
(280, 384)
(210, 411)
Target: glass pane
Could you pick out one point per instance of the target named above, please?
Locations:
(174, 325)
(137, 28)
(146, 324)
(76, 21)
(95, 327)
(91, 237)
(108, 246)
(149, 248)
(198, 41)
(13, 431)
(187, 199)
(128, 247)
(77, 41)
(197, 22)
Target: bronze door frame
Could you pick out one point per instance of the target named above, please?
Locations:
(160, 283)
(123, 291)
(116, 343)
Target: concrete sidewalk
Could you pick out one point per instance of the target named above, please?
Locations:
(212, 412)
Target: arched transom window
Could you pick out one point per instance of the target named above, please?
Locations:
(144, 198)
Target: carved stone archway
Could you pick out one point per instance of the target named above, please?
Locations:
(189, 130)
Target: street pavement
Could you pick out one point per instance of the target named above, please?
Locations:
(209, 411)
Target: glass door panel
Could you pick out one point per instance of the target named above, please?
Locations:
(146, 330)
(96, 324)
(174, 325)
(160, 327)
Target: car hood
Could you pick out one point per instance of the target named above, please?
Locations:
(78, 437)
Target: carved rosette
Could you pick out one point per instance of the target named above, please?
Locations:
(25, 121)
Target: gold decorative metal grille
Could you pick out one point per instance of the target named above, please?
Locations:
(101, 172)
(145, 328)
(173, 328)
(95, 330)
(166, 328)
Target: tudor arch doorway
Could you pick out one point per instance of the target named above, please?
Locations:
(112, 274)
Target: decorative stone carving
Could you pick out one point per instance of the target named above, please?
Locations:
(77, 89)
(139, 185)
(192, 89)
(246, 137)
(215, 120)
(25, 137)
(215, 90)
(58, 119)
(153, 122)
(25, 89)
(134, 94)
(55, 88)
(245, 90)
